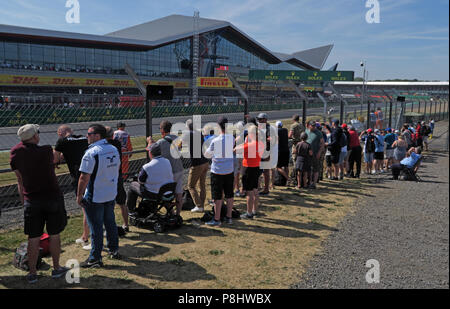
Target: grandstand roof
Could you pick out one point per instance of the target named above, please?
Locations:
(170, 29)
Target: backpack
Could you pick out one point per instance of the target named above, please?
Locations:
(209, 215)
(280, 180)
(20, 259)
(343, 140)
(188, 202)
(370, 144)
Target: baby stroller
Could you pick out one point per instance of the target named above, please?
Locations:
(157, 213)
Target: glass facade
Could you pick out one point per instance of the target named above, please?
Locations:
(172, 61)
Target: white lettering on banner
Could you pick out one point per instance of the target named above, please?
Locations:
(73, 15)
(373, 15)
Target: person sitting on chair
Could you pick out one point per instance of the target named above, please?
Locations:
(412, 156)
(152, 177)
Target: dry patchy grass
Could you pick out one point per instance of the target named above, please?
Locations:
(269, 252)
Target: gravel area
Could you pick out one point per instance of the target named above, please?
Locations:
(403, 225)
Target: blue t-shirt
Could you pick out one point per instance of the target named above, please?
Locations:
(411, 160)
(102, 161)
(389, 139)
(379, 143)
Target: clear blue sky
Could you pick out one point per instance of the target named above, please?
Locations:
(411, 41)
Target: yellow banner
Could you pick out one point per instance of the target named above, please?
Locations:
(214, 82)
(29, 80)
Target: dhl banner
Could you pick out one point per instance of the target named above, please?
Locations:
(214, 82)
(29, 80)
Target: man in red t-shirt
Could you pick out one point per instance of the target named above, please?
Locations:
(252, 150)
(40, 194)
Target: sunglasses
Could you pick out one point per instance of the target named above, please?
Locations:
(91, 133)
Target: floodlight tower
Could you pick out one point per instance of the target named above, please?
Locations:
(195, 57)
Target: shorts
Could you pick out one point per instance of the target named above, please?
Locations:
(283, 159)
(368, 157)
(250, 176)
(335, 156)
(302, 165)
(51, 214)
(342, 157)
(274, 159)
(379, 156)
(389, 153)
(238, 166)
(315, 164)
(328, 160)
(222, 184)
(121, 197)
(178, 178)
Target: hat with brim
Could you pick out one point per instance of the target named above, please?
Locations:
(27, 131)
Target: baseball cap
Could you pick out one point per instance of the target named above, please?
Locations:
(344, 125)
(155, 149)
(27, 131)
(377, 131)
(279, 124)
(369, 131)
(262, 116)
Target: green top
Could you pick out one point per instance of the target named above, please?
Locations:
(298, 129)
(314, 139)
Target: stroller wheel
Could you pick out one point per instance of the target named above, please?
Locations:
(179, 221)
(158, 227)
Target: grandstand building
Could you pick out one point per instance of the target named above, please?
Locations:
(160, 52)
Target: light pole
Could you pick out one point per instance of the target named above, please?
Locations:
(363, 64)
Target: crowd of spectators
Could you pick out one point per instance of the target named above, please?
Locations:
(246, 159)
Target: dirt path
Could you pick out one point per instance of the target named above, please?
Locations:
(405, 227)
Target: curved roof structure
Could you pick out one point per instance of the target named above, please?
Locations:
(170, 29)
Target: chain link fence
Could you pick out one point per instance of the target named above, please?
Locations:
(79, 111)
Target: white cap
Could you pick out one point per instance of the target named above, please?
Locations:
(279, 124)
(27, 131)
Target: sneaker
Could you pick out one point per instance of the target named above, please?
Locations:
(114, 255)
(264, 193)
(126, 228)
(82, 242)
(247, 216)
(197, 209)
(87, 247)
(213, 222)
(228, 220)
(237, 193)
(59, 272)
(32, 278)
(254, 215)
(91, 264)
(312, 186)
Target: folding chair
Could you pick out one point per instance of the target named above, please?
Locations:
(411, 173)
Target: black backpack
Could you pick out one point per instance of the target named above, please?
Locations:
(280, 180)
(370, 144)
(209, 215)
(343, 140)
(188, 202)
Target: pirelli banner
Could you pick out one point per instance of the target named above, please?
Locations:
(54, 81)
(214, 82)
